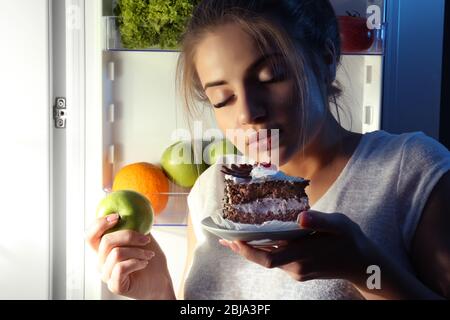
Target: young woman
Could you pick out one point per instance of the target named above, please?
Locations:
(379, 200)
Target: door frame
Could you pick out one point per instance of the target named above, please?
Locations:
(75, 148)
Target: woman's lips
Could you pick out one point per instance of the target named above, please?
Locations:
(263, 138)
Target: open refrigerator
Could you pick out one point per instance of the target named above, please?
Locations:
(122, 107)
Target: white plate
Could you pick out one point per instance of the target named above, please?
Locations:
(254, 238)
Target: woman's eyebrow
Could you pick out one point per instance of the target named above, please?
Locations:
(253, 65)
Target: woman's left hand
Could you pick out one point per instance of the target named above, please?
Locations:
(337, 250)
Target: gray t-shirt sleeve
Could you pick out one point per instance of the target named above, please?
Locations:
(423, 162)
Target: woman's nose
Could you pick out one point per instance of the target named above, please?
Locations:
(251, 110)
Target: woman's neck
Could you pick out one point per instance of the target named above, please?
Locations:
(320, 152)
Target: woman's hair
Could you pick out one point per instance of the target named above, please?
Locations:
(300, 30)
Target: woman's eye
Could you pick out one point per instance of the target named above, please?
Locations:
(224, 103)
(270, 77)
(270, 80)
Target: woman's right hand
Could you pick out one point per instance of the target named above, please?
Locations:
(130, 263)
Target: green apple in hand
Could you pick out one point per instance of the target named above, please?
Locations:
(178, 163)
(219, 148)
(134, 209)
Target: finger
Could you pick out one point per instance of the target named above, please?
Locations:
(281, 243)
(122, 238)
(274, 257)
(261, 257)
(98, 228)
(119, 283)
(266, 249)
(302, 270)
(336, 223)
(272, 247)
(229, 244)
(297, 269)
(225, 243)
(119, 254)
(288, 254)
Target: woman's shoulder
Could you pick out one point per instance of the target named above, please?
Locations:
(386, 138)
(412, 157)
(404, 146)
(406, 158)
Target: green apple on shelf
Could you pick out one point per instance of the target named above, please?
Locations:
(178, 162)
(134, 210)
(219, 148)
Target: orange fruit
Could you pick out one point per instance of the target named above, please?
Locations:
(147, 179)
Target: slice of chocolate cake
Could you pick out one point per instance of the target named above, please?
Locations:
(258, 193)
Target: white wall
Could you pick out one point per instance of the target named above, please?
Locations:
(24, 160)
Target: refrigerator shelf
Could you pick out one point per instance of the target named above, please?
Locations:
(113, 41)
(176, 210)
(354, 42)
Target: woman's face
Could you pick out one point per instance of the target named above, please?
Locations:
(247, 92)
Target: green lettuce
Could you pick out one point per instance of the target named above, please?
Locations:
(153, 23)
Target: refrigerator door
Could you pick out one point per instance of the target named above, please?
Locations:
(25, 129)
(413, 66)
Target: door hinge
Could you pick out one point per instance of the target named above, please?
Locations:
(60, 113)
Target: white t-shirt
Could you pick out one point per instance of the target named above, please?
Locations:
(384, 188)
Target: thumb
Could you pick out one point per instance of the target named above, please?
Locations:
(324, 222)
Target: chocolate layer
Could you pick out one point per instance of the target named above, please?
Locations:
(247, 192)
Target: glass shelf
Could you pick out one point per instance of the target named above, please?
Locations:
(358, 39)
(176, 211)
(371, 41)
(362, 25)
(113, 40)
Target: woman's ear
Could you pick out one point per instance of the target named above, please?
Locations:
(330, 60)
